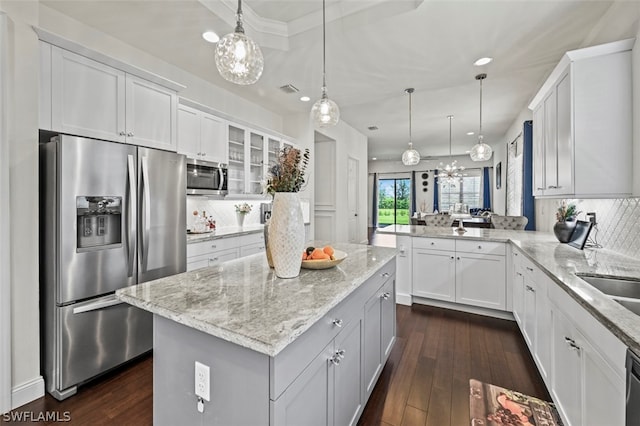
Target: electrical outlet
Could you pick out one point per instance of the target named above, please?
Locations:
(202, 381)
(591, 216)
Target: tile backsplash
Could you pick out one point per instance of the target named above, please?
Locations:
(618, 221)
(222, 211)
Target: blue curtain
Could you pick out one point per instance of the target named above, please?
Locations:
(374, 204)
(436, 196)
(486, 189)
(413, 192)
(528, 202)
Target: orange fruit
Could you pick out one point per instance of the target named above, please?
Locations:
(304, 255)
(329, 250)
(315, 254)
(321, 256)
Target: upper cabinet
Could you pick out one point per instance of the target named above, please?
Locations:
(201, 135)
(583, 125)
(92, 99)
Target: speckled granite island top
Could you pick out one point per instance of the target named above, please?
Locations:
(242, 301)
(560, 262)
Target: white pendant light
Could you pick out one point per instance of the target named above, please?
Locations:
(481, 151)
(238, 58)
(325, 112)
(449, 174)
(410, 157)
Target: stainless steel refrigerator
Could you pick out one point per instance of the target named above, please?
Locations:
(111, 215)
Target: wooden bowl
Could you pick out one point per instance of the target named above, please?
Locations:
(325, 264)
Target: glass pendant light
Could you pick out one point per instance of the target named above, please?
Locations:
(449, 174)
(238, 58)
(481, 151)
(325, 112)
(410, 157)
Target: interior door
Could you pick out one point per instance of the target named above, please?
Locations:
(352, 199)
(162, 247)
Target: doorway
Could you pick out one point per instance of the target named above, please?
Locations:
(393, 201)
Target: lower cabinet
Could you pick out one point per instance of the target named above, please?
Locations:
(334, 387)
(468, 272)
(214, 252)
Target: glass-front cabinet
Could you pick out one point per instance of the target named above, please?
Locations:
(236, 170)
(256, 163)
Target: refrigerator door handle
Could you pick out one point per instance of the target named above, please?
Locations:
(103, 302)
(146, 213)
(131, 225)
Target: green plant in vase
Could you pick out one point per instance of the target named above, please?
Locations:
(566, 221)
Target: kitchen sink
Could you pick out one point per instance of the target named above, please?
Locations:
(623, 290)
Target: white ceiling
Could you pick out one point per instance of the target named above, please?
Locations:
(376, 49)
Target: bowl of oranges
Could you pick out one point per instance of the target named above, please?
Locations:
(322, 257)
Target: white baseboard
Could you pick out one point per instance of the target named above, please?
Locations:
(27, 392)
(403, 299)
(465, 308)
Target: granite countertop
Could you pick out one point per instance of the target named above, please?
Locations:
(243, 302)
(560, 262)
(225, 232)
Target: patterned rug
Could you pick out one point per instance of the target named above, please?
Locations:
(492, 405)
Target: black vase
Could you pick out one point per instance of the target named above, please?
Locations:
(563, 230)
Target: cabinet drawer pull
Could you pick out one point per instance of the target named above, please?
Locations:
(337, 322)
(529, 269)
(519, 273)
(340, 353)
(385, 295)
(552, 187)
(458, 258)
(130, 134)
(432, 243)
(204, 154)
(213, 246)
(452, 258)
(572, 343)
(213, 260)
(122, 134)
(384, 275)
(540, 189)
(529, 288)
(335, 360)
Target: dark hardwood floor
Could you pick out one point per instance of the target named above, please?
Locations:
(425, 381)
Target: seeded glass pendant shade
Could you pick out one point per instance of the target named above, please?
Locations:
(238, 58)
(410, 157)
(481, 151)
(325, 112)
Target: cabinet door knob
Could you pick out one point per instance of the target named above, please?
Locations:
(337, 322)
(340, 353)
(384, 275)
(130, 134)
(204, 154)
(213, 246)
(385, 295)
(529, 269)
(122, 134)
(335, 360)
(451, 257)
(432, 243)
(515, 254)
(458, 258)
(479, 247)
(531, 289)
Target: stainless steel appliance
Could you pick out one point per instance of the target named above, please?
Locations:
(265, 212)
(111, 215)
(206, 178)
(633, 389)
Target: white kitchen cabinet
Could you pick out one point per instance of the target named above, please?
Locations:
(89, 98)
(583, 123)
(247, 160)
(347, 377)
(44, 87)
(214, 252)
(469, 272)
(404, 269)
(379, 333)
(202, 136)
(517, 283)
(588, 370)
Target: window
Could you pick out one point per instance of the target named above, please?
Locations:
(466, 192)
(393, 201)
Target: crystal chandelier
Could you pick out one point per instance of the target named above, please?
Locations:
(450, 174)
(238, 58)
(481, 151)
(325, 112)
(410, 157)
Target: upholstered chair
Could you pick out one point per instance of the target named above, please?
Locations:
(443, 220)
(508, 222)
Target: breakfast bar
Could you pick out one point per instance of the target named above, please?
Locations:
(272, 351)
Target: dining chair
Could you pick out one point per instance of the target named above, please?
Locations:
(443, 220)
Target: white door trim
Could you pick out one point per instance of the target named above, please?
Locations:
(5, 263)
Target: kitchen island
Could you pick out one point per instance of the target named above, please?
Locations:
(306, 350)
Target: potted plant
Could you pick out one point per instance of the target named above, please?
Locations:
(285, 233)
(241, 211)
(566, 221)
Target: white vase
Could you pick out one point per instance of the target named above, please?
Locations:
(240, 218)
(286, 234)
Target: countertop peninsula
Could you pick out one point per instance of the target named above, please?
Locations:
(560, 262)
(243, 302)
(224, 232)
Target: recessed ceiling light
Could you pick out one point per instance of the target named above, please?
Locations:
(210, 36)
(374, 158)
(482, 61)
(305, 98)
(470, 133)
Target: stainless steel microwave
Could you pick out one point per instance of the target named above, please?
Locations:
(206, 178)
